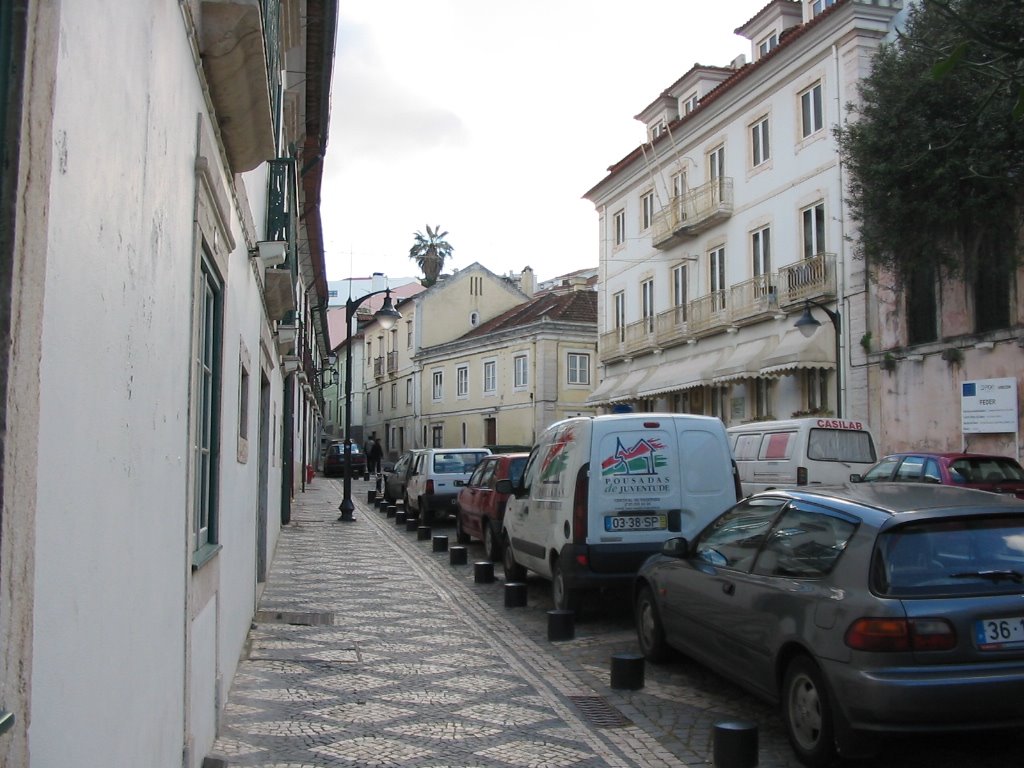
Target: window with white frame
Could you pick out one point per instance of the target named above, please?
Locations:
(767, 45)
(209, 313)
(394, 394)
(408, 391)
(762, 397)
(678, 184)
(437, 388)
(369, 351)
(815, 386)
(490, 376)
(760, 149)
(688, 104)
(646, 210)
(408, 334)
(619, 220)
(716, 272)
(761, 251)
(437, 436)
(647, 304)
(619, 315)
(813, 227)
(820, 5)
(679, 291)
(462, 381)
(521, 371)
(578, 368)
(716, 162)
(657, 129)
(380, 399)
(811, 115)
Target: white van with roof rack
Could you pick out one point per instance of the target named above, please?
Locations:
(804, 451)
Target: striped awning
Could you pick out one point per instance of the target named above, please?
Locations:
(695, 371)
(797, 352)
(745, 361)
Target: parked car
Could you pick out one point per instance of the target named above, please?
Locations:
(430, 489)
(395, 479)
(480, 507)
(865, 608)
(334, 461)
(600, 494)
(998, 474)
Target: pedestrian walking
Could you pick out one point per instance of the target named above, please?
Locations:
(373, 456)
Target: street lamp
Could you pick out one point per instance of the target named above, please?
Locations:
(386, 316)
(808, 324)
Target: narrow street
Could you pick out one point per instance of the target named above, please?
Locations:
(370, 648)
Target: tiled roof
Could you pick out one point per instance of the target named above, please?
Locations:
(571, 307)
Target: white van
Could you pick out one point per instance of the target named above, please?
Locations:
(600, 494)
(794, 452)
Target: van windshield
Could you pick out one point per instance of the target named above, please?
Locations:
(841, 445)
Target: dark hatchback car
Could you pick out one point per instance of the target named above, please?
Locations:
(481, 507)
(396, 478)
(334, 461)
(983, 472)
(878, 607)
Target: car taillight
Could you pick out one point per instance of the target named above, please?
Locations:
(801, 475)
(580, 506)
(430, 487)
(870, 634)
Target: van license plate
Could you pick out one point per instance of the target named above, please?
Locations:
(636, 522)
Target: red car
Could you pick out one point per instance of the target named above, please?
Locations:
(984, 472)
(481, 508)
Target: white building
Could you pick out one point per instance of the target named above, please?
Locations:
(729, 222)
(162, 165)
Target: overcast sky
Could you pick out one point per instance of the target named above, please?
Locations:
(491, 118)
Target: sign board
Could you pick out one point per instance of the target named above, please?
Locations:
(988, 405)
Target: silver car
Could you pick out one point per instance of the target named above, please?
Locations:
(883, 607)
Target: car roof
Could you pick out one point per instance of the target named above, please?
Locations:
(891, 503)
(952, 455)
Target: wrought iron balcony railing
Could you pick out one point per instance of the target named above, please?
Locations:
(692, 212)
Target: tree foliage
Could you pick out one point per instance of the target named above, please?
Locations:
(935, 154)
(430, 252)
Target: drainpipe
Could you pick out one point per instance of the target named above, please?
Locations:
(844, 332)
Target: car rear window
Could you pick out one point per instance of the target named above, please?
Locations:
(967, 556)
(456, 463)
(986, 469)
(841, 445)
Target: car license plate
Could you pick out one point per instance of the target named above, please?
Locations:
(999, 634)
(636, 522)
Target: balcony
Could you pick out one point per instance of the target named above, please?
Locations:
(378, 366)
(813, 278)
(392, 362)
(282, 226)
(640, 337)
(672, 328)
(753, 300)
(708, 314)
(692, 213)
(612, 345)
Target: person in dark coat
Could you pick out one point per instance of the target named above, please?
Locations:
(374, 456)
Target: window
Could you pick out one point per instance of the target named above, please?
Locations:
(767, 45)
(380, 399)
(820, 5)
(369, 352)
(761, 251)
(716, 163)
(578, 367)
(437, 436)
(207, 362)
(679, 184)
(647, 210)
(922, 309)
(462, 381)
(760, 150)
(437, 389)
(619, 318)
(679, 291)
(810, 111)
(408, 334)
(243, 401)
(657, 129)
(408, 391)
(490, 375)
(762, 397)
(647, 304)
(815, 387)
(734, 539)
(620, 227)
(394, 394)
(521, 373)
(718, 397)
(804, 544)
(716, 272)
(813, 224)
(991, 291)
(687, 105)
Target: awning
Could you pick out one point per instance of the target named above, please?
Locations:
(695, 371)
(745, 361)
(600, 394)
(796, 352)
(628, 388)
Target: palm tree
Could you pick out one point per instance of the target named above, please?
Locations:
(430, 253)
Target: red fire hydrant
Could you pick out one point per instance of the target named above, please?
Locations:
(309, 473)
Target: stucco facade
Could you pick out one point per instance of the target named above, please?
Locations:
(158, 423)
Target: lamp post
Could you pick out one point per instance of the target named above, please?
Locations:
(387, 316)
(808, 324)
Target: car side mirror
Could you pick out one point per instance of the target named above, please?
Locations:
(677, 547)
(856, 478)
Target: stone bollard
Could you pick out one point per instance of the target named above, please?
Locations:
(483, 572)
(371, 497)
(393, 508)
(628, 671)
(515, 594)
(735, 744)
(390, 511)
(423, 533)
(561, 625)
(412, 523)
(399, 517)
(457, 555)
(440, 543)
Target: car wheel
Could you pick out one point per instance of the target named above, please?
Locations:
(460, 535)
(492, 545)
(513, 570)
(565, 599)
(650, 633)
(806, 713)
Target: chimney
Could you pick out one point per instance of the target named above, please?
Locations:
(378, 282)
(526, 282)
